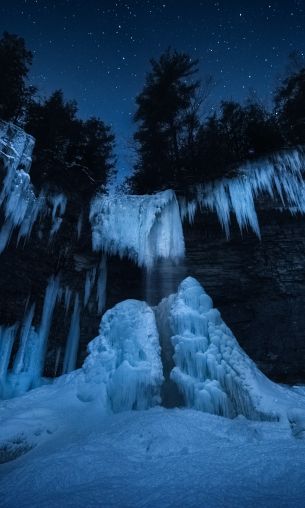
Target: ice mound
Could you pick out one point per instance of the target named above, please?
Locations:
(124, 369)
(144, 228)
(211, 370)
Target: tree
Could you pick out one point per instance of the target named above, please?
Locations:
(290, 107)
(15, 63)
(167, 116)
(74, 155)
(238, 133)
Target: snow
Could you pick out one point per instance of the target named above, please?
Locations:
(144, 228)
(75, 456)
(76, 442)
(123, 370)
(211, 370)
(280, 177)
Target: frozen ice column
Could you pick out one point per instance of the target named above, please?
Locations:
(124, 369)
(211, 370)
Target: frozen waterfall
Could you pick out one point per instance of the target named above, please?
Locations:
(144, 228)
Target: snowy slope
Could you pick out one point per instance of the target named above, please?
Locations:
(155, 458)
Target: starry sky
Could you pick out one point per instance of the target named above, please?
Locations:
(98, 51)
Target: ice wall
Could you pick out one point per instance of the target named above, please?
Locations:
(123, 370)
(143, 228)
(211, 370)
(280, 177)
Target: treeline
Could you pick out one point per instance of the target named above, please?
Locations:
(71, 154)
(177, 143)
(176, 147)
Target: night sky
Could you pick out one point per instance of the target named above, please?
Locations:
(98, 52)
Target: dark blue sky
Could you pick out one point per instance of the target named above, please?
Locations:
(98, 51)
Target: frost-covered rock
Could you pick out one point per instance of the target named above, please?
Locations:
(144, 228)
(211, 370)
(123, 370)
(20, 205)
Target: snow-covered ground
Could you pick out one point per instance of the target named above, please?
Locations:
(76, 443)
(154, 458)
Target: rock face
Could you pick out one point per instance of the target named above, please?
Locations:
(258, 285)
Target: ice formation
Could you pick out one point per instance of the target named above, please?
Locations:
(73, 339)
(101, 285)
(20, 205)
(124, 370)
(144, 228)
(211, 370)
(89, 283)
(280, 176)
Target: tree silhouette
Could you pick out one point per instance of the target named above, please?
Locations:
(74, 155)
(167, 117)
(290, 107)
(15, 63)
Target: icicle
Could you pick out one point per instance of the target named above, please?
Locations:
(7, 337)
(73, 339)
(24, 346)
(58, 353)
(79, 225)
(280, 176)
(101, 285)
(89, 283)
(39, 350)
(5, 234)
(67, 298)
(59, 203)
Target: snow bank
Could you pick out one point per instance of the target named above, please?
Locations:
(211, 370)
(144, 228)
(279, 176)
(123, 369)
